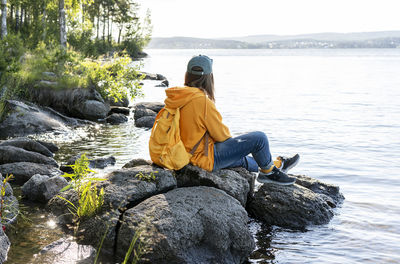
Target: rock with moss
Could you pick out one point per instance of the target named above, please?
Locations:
(23, 171)
(229, 181)
(307, 202)
(188, 225)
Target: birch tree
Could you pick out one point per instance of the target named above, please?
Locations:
(3, 19)
(63, 27)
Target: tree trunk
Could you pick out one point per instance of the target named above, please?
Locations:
(104, 28)
(108, 25)
(16, 18)
(98, 21)
(3, 19)
(44, 24)
(119, 34)
(63, 29)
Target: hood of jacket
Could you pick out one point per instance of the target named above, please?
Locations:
(180, 96)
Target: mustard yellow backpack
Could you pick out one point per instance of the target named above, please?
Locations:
(165, 146)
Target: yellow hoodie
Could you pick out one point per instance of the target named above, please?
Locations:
(198, 115)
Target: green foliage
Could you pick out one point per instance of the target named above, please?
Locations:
(151, 177)
(113, 78)
(90, 199)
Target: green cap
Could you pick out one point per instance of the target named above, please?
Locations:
(202, 61)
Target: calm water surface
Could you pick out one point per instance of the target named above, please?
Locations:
(339, 109)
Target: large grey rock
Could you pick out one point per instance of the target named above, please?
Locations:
(188, 225)
(80, 103)
(28, 144)
(292, 206)
(66, 251)
(4, 246)
(23, 171)
(61, 208)
(116, 119)
(229, 181)
(10, 154)
(146, 121)
(25, 119)
(42, 188)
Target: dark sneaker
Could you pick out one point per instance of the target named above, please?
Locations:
(288, 163)
(275, 176)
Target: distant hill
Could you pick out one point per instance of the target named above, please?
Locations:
(383, 39)
(358, 36)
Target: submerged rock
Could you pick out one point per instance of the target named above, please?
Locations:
(188, 225)
(66, 251)
(23, 171)
(293, 206)
(229, 181)
(10, 154)
(99, 163)
(42, 188)
(29, 145)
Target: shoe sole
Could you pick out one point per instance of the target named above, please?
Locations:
(291, 166)
(275, 182)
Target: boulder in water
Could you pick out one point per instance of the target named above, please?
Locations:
(295, 206)
(42, 188)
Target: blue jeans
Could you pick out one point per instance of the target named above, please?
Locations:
(234, 152)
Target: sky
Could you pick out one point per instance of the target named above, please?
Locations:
(234, 18)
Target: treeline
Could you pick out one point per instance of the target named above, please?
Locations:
(93, 27)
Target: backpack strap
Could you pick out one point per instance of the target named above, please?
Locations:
(206, 136)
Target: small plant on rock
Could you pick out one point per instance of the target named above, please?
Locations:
(90, 199)
(151, 177)
(2, 196)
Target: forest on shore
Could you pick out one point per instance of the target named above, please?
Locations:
(69, 39)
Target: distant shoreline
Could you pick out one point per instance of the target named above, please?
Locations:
(385, 39)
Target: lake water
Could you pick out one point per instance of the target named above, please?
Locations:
(339, 109)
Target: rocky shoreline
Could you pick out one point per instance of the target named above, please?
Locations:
(185, 216)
